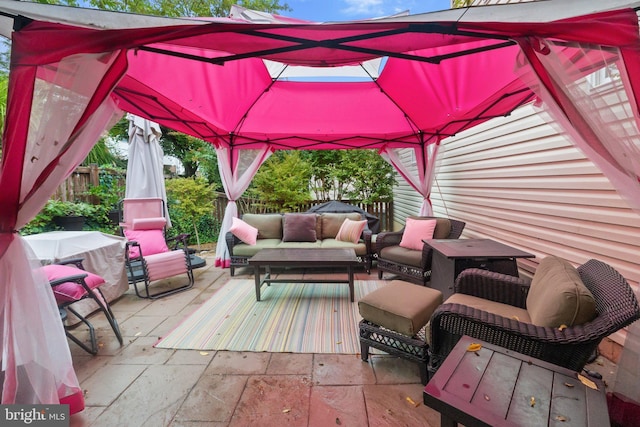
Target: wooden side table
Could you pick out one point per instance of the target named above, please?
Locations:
(498, 387)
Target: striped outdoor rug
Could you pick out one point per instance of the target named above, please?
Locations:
(295, 318)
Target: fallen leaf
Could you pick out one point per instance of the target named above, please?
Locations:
(515, 318)
(562, 327)
(586, 381)
(411, 401)
(204, 353)
(138, 334)
(532, 401)
(286, 411)
(561, 418)
(338, 422)
(474, 347)
(487, 398)
(339, 342)
(569, 385)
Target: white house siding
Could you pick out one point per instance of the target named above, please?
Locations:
(518, 181)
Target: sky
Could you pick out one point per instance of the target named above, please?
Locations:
(347, 10)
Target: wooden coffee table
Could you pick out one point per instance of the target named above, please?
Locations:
(499, 387)
(301, 258)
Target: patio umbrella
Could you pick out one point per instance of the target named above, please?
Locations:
(145, 174)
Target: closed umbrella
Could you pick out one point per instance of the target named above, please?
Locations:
(145, 168)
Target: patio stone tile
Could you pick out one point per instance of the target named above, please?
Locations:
(290, 364)
(239, 363)
(169, 305)
(213, 399)
(395, 370)
(341, 369)
(197, 424)
(153, 398)
(99, 392)
(86, 366)
(387, 405)
(191, 357)
(129, 302)
(274, 401)
(142, 352)
(86, 417)
(140, 326)
(167, 325)
(337, 405)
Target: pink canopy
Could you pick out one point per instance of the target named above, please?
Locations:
(74, 72)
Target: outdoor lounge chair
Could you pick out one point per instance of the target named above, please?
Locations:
(149, 255)
(506, 311)
(411, 264)
(72, 283)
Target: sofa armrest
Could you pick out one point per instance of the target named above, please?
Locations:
(388, 238)
(231, 241)
(493, 286)
(366, 237)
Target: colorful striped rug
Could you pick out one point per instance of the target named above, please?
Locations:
(295, 318)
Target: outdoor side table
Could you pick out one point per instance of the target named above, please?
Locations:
(499, 387)
(451, 256)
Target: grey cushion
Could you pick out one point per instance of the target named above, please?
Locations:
(400, 306)
(299, 227)
(269, 225)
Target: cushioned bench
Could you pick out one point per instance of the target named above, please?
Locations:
(393, 318)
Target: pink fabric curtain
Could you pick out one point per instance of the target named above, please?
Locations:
(418, 170)
(37, 157)
(600, 119)
(237, 169)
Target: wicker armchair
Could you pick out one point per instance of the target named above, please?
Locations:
(616, 307)
(411, 265)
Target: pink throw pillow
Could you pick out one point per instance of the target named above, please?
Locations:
(151, 242)
(350, 230)
(415, 230)
(243, 231)
(70, 291)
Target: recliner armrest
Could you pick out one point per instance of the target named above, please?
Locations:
(493, 286)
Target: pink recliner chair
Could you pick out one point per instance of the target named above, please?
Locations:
(149, 255)
(71, 283)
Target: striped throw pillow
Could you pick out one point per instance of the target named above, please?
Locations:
(350, 230)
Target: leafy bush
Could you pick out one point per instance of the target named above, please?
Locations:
(44, 221)
(191, 209)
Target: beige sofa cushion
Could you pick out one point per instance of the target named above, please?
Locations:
(269, 225)
(331, 222)
(504, 310)
(557, 295)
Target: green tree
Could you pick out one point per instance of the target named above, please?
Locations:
(350, 174)
(191, 209)
(282, 182)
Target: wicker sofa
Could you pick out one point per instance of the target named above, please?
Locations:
(557, 324)
(272, 232)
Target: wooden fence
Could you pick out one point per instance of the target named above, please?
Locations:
(382, 210)
(76, 188)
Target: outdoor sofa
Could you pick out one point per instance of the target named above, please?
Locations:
(298, 231)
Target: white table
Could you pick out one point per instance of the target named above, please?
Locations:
(103, 255)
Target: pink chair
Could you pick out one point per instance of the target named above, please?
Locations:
(149, 255)
(72, 283)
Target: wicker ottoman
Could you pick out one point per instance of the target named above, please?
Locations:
(392, 318)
